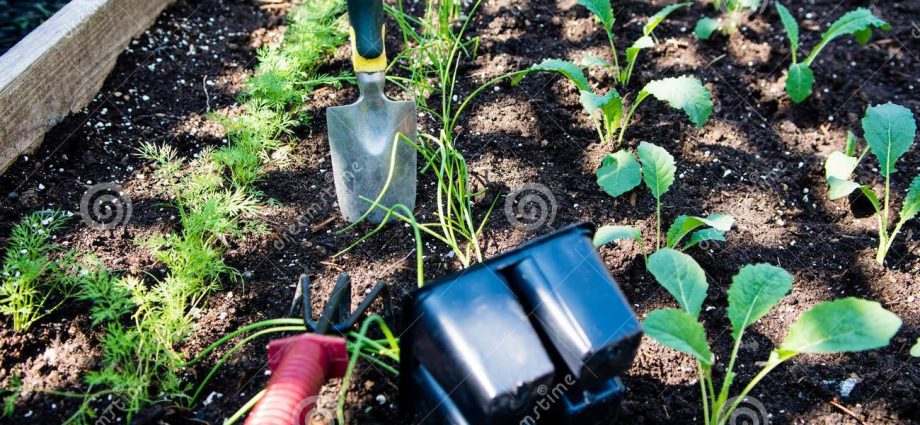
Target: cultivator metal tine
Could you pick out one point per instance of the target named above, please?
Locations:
(336, 316)
(379, 289)
(335, 305)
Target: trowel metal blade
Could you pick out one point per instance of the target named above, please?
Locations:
(361, 138)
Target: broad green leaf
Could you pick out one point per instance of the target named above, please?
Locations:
(912, 201)
(872, 197)
(686, 93)
(610, 105)
(643, 42)
(607, 234)
(915, 350)
(799, 82)
(854, 22)
(568, 69)
(704, 235)
(839, 188)
(632, 53)
(755, 290)
(792, 29)
(602, 10)
(750, 4)
(588, 61)
(657, 168)
(659, 17)
(685, 224)
(705, 27)
(844, 325)
(619, 173)
(837, 170)
(889, 130)
(850, 150)
(681, 276)
(594, 102)
(863, 36)
(678, 330)
(840, 165)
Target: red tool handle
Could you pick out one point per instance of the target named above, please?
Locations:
(300, 366)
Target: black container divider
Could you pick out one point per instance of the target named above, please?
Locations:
(536, 335)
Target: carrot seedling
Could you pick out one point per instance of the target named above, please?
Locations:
(11, 392)
(840, 326)
(801, 79)
(889, 130)
(110, 294)
(35, 270)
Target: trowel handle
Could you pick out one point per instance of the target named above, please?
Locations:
(368, 53)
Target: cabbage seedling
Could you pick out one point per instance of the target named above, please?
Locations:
(889, 130)
(800, 78)
(621, 172)
(844, 325)
(700, 229)
(733, 12)
(603, 11)
(610, 113)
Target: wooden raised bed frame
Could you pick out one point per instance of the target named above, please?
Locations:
(60, 66)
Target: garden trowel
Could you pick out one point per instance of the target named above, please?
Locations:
(369, 136)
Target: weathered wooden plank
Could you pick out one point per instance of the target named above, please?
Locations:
(59, 67)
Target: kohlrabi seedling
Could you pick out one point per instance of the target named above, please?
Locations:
(800, 78)
(621, 172)
(844, 325)
(610, 113)
(733, 13)
(700, 229)
(603, 11)
(889, 131)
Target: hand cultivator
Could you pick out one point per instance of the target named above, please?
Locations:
(301, 364)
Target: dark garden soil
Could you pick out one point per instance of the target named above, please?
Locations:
(759, 159)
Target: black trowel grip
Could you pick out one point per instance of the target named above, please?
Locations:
(366, 19)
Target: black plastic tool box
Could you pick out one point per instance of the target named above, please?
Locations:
(538, 334)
